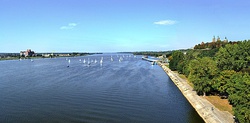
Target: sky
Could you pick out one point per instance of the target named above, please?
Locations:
(119, 25)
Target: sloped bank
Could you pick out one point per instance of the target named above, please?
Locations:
(204, 108)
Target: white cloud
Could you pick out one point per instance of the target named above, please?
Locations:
(72, 24)
(165, 22)
(69, 26)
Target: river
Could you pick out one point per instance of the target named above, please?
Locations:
(124, 90)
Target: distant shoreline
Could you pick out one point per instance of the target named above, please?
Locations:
(23, 58)
(15, 56)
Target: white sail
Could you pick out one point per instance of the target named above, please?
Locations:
(120, 59)
(111, 58)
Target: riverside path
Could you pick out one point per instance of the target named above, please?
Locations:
(206, 110)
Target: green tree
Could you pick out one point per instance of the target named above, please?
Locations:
(239, 95)
(223, 82)
(190, 55)
(180, 66)
(177, 56)
(202, 72)
(208, 53)
(234, 57)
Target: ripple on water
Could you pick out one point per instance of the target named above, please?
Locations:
(129, 91)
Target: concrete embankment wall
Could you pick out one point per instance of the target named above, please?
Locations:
(204, 108)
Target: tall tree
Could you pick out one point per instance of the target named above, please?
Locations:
(223, 82)
(234, 57)
(202, 72)
(177, 57)
(239, 95)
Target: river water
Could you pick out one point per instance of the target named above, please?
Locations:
(124, 91)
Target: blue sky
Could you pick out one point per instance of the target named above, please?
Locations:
(119, 25)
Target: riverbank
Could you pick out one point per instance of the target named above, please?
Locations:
(39, 57)
(16, 56)
(208, 112)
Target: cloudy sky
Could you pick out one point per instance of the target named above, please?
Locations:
(119, 25)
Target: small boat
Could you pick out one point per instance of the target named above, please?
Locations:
(154, 63)
(120, 59)
(111, 59)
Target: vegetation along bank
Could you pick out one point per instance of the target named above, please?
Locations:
(218, 68)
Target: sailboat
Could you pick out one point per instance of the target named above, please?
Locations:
(88, 62)
(68, 62)
(120, 59)
(111, 58)
(101, 61)
(84, 61)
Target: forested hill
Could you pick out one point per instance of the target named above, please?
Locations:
(212, 45)
(221, 69)
(216, 43)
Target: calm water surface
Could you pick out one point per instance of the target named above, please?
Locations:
(132, 90)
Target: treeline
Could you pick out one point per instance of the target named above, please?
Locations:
(220, 71)
(11, 56)
(156, 53)
(153, 53)
(212, 45)
(3, 55)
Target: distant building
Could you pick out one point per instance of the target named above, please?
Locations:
(218, 39)
(27, 53)
(225, 40)
(213, 40)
